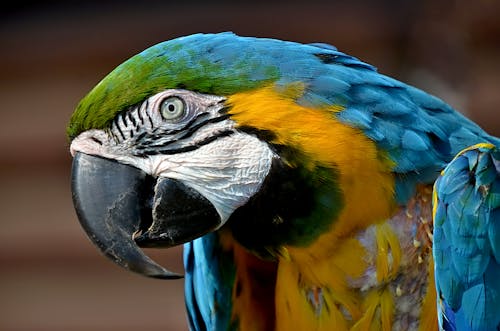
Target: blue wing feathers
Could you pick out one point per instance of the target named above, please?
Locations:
(208, 284)
(359, 119)
(413, 141)
(467, 241)
(195, 318)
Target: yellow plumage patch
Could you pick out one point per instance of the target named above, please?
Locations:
(379, 309)
(365, 173)
(300, 305)
(428, 314)
(312, 290)
(387, 243)
(322, 298)
(378, 305)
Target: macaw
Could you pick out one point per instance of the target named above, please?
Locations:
(298, 178)
(466, 247)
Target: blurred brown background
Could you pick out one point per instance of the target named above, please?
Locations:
(52, 53)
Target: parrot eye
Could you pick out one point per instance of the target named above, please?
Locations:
(172, 108)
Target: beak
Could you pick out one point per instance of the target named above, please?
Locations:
(121, 208)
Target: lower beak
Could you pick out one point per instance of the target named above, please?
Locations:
(121, 208)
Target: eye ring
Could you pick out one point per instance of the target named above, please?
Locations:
(172, 108)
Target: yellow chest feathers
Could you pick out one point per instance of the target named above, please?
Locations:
(380, 279)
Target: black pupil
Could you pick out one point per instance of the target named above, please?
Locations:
(171, 108)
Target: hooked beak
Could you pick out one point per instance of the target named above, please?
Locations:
(121, 208)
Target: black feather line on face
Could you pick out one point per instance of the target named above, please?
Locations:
(186, 148)
(147, 144)
(116, 125)
(131, 119)
(195, 128)
(264, 135)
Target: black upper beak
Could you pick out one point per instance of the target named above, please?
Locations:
(121, 207)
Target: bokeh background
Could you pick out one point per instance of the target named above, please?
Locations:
(53, 52)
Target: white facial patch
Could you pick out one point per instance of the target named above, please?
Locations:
(228, 171)
(202, 147)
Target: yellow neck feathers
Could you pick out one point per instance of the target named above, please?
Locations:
(366, 180)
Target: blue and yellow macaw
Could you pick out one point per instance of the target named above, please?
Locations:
(299, 180)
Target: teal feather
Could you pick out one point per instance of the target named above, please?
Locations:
(467, 241)
(210, 275)
(411, 140)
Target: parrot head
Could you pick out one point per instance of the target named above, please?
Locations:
(216, 132)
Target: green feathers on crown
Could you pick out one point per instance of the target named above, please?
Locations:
(204, 63)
